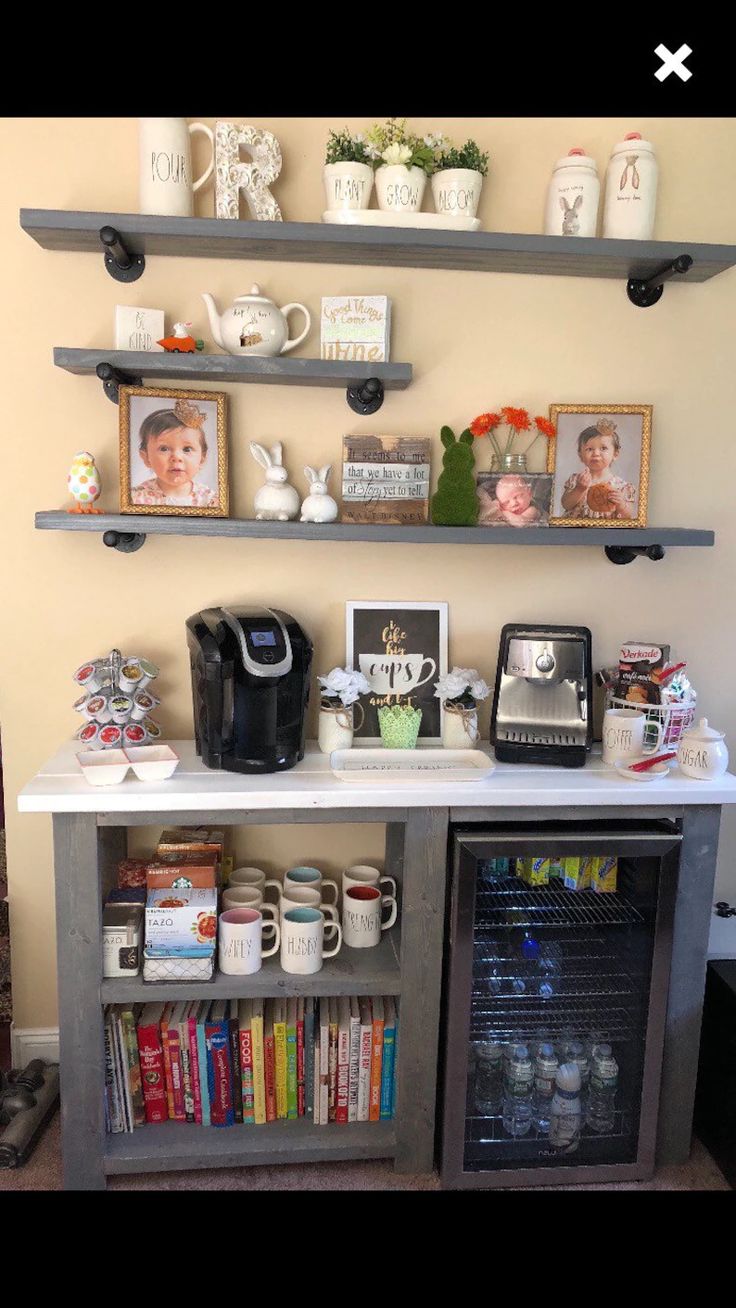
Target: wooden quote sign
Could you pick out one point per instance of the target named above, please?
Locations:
(385, 479)
(356, 328)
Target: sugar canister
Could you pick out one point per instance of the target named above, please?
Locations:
(631, 190)
(572, 197)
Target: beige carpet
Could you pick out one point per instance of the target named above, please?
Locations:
(43, 1172)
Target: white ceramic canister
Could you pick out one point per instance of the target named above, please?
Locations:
(572, 196)
(631, 190)
(702, 752)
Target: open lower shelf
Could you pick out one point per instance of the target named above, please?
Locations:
(511, 252)
(278, 371)
(128, 531)
(374, 971)
(177, 1146)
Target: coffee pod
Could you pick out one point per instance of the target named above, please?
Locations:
(98, 708)
(88, 677)
(135, 734)
(143, 703)
(153, 729)
(111, 736)
(149, 671)
(79, 704)
(131, 676)
(121, 706)
(89, 735)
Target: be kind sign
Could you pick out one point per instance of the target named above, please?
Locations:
(401, 649)
(385, 479)
(356, 328)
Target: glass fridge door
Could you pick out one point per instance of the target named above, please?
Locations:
(556, 999)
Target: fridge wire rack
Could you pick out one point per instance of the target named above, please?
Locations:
(512, 903)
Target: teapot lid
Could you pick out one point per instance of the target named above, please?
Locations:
(703, 732)
(255, 294)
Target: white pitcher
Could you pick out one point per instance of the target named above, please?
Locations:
(166, 185)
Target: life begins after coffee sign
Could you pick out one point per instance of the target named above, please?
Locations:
(401, 649)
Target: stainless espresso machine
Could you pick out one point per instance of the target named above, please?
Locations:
(542, 707)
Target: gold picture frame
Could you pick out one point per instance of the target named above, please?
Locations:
(564, 459)
(210, 497)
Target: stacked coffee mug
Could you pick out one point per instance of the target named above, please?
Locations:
(116, 702)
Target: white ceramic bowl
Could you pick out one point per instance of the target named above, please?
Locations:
(623, 767)
(103, 767)
(152, 762)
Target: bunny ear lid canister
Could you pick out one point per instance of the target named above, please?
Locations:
(572, 196)
(631, 190)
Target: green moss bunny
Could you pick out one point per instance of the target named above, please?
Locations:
(455, 503)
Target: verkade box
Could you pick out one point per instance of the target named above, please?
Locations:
(181, 917)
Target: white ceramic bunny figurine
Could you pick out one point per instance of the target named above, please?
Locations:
(318, 506)
(277, 499)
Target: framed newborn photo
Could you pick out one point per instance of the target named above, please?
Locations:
(511, 499)
(173, 454)
(600, 458)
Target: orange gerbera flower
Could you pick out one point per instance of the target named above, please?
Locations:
(517, 418)
(481, 425)
(546, 427)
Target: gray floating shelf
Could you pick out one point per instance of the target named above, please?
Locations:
(155, 525)
(227, 368)
(177, 1146)
(220, 238)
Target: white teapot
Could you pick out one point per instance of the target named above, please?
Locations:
(254, 325)
(702, 752)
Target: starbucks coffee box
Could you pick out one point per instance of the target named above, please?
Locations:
(356, 328)
(180, 869)
(181, 917)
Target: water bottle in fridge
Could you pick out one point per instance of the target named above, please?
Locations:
(488, 1077)
(545, 1072)
(565, 1109)
(518, 1092)
(601, 1106)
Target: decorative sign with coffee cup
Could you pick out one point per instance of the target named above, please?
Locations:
(385, 479)
(356, 328)
(401, 649)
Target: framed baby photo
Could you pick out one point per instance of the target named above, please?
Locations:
(400, 646)
(600, 458)
(173, 453)
(512, 499)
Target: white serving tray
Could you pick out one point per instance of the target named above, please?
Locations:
(410, 765)
(383, 218)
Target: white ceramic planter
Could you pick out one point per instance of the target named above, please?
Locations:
(459, 730)
(348, 185)
(400, 189)
(457, 191)
(335, 730)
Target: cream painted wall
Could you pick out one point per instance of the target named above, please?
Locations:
(476, 341)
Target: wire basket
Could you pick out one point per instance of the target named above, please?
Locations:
(674, 718)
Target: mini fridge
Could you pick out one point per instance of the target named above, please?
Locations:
(559, 951)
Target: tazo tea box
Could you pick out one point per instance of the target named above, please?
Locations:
(576, 872)
(181, 917)
(121, 939)
(603, 874)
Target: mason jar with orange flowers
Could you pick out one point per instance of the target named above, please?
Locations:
(506, 458)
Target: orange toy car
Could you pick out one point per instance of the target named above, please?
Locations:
(181, 344)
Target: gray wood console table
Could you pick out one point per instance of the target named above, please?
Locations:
(90, 837)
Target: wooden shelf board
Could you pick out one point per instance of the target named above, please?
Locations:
(178, 1146)
(510, 252)
(226, 368)
(353, 972)
(163, 525)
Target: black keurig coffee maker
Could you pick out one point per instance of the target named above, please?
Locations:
(250, 685)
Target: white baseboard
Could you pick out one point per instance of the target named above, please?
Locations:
(33, 1042)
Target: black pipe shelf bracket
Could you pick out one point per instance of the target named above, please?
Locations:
(113, 378)
(127, 542)
(627, 553)
(646, 292)
(120, 264)
(365, 397)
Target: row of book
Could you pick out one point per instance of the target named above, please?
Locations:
(225, 1061)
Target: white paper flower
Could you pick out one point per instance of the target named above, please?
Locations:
(479, 689)
(460, 680)
(396, 154)
(344, 684)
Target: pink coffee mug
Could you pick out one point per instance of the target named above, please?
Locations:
(362, 908)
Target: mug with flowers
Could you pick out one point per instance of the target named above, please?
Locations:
(505, 454)
(403, 162)
(341, 689)
(461, 691)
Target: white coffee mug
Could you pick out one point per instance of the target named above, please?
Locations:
(362, 907)
(165, 157)
(362, 875)
(252, 876)
(306, 897)
(302, 940)
(309, 876)
(241, 932)
(245, 897)
(396, 674)
(624, 731)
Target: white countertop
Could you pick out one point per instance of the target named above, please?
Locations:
(60, 788)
